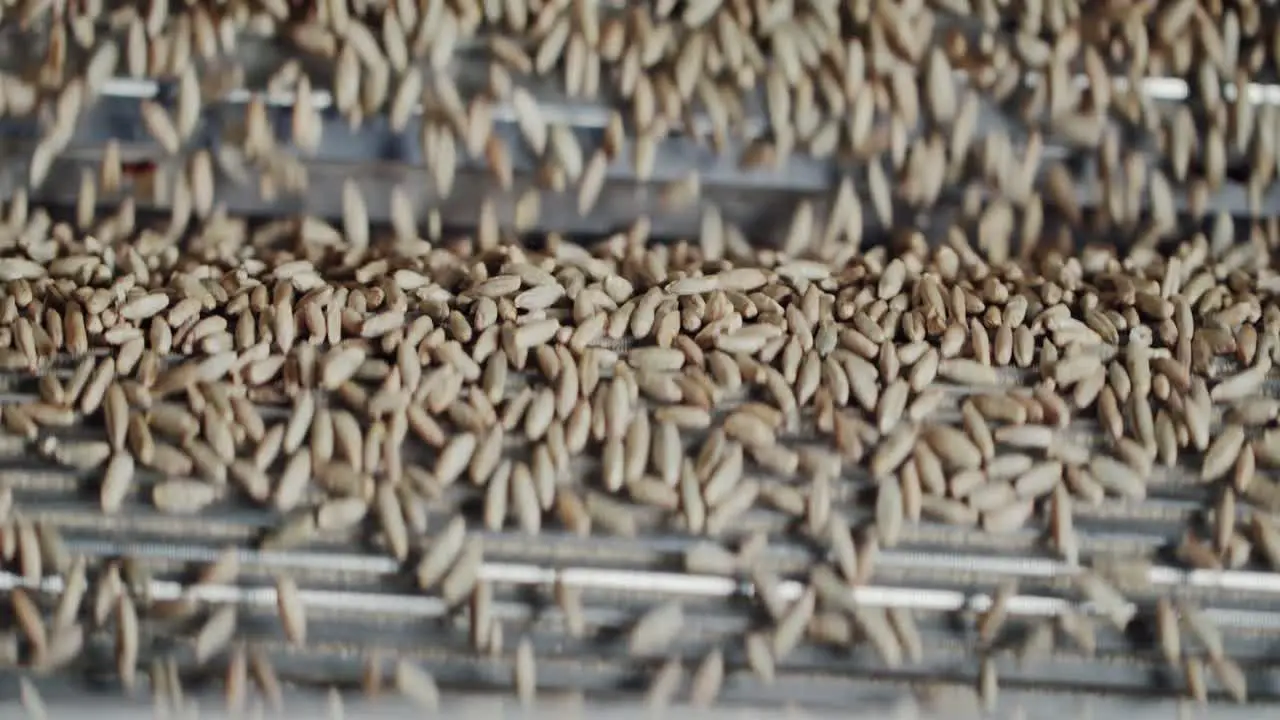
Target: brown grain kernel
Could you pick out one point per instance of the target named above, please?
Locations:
(215, 634)
(656, 629)
(417, 685)
(292, 611)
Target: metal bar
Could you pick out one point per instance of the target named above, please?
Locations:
(707, 586)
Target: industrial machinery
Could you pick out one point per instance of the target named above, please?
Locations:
(753, 357)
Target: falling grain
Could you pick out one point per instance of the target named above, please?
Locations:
(656, 629)
(417, 686)
(442, 553)
(526, 673)
(32, 702)
(215, 634)
(707, 680)
(759, 656)
(293, 614)
(664, 685)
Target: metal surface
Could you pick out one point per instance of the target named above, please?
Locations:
(307, 705)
